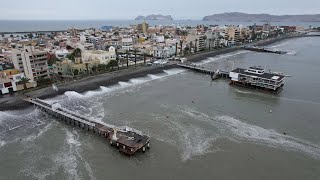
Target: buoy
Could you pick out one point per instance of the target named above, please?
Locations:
(285, 133)
(270, 111)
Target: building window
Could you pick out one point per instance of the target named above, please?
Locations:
(9, 84)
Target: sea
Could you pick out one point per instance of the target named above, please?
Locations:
(58, 25)
(200, 129)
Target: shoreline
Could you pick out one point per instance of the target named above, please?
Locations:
(16, 102)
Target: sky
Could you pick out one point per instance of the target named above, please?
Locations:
(129, 9)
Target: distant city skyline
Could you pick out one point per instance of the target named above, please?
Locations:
(128, 9)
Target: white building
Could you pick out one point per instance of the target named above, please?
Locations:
(33, 63)
(103, 56)
(127, 44)
(61, 54)
(9, 83)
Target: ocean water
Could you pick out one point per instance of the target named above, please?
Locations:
(200, 129)
(57, 25)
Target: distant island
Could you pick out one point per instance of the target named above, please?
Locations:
(154, 17)
(237, 16)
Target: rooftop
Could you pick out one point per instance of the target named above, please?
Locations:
(270, 76)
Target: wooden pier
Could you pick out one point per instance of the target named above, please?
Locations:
(127, 140)
(214, 74)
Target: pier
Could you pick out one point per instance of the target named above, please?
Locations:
(127, 140)
(214, 74)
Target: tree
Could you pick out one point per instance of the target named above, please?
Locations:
(94, 68)
(77, 52)
(145, 58)
(101, 67)
(117, 58)
(135, 57)
(30, 35)
(75, 72)
(196, 45)
(52, 61)
(116, 33)
(181, 43)
(87, 67)
(113, 63)
(24, 81)
(71, 57)
(127, 52)
(176, 49)
(56, 43)
(191, 46)
(11, 35)
(210, 40)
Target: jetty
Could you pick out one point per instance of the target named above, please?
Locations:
(263, 49)
(127, 140)
(214, 74)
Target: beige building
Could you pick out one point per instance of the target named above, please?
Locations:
(69, 69)
(103, 56)
(32, 62)
(232, 33)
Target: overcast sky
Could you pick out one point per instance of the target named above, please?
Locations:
(129, 9)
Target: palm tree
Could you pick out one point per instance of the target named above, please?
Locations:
(77, 52)
(117, 58)
(87, 67)
(196, 46)
(145, 58)
(190, 46)
(181, 43)
(127, 52)
(210, 44)
(135, 57)
(176, 49)
(24, 81)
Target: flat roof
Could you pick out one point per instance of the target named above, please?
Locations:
(256, 68)
(270, 76)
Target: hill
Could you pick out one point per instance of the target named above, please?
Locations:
(154, 17)
(236, 16)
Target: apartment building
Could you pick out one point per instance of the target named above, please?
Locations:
(32, 62)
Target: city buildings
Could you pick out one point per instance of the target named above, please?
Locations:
(32, 62)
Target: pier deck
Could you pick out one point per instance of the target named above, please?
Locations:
(127, 140)
(214, 74)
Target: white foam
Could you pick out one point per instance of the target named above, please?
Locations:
(279, 45)
(197, 140)
(219, 57)
(268, 137)
(73, 94)
(174, 71)
(124, 84)
(291, 52)
(154, 77)
(36, 136)
(2, 143)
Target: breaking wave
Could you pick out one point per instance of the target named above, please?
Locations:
(220, 57)
(121, 85)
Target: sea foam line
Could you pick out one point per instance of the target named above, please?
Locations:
(122, 85)
(196, 136)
